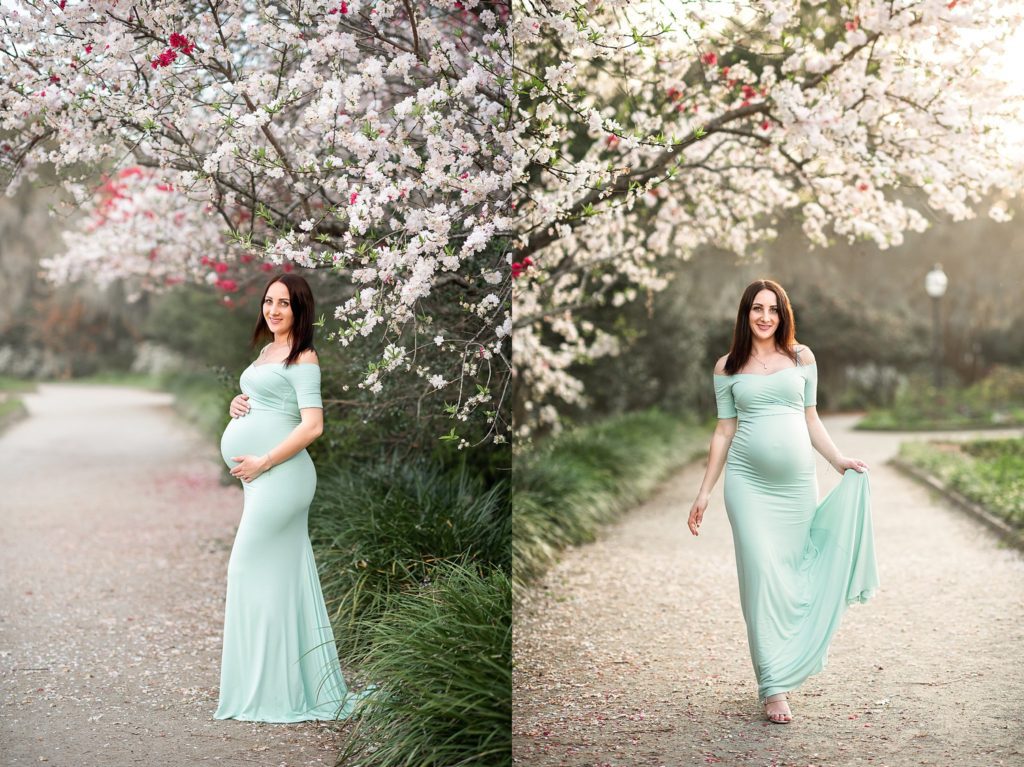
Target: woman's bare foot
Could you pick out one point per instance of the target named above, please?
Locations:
(777, 709)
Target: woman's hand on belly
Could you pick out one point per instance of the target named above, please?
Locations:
(250, 466)
(239, 406)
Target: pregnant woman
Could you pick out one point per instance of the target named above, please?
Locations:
(800, 563)
(279, 661)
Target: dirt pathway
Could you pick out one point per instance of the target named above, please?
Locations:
(115, 532)
(632, 651)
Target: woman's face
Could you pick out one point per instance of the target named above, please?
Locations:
(277, 310)
(764, 315)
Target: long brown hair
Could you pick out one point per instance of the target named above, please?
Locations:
(300, 297)
(743, 339)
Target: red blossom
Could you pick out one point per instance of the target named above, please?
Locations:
(181, 42)
(165, 187)
(205, 261)
(344, 8)
(220, 267)
(710, 58)
(766, 125)
(246, 258)
(862, 186)
(165, 59)
(227, 285)
(749, 92)
(464, 175)
(62, 3)
(266, 267)
(54, 78)
(352, 198)
(287, 267)
(88, 49)
(520, 268)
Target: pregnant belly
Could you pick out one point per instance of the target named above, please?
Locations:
(254, 434)
(774, 449)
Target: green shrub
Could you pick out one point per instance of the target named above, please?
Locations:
(441, 656)
(996, 400)
(384, 528)
(989, 472)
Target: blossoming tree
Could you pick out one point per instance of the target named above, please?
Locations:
(659, 127)
(212, 141)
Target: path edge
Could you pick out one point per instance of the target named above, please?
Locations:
(12, 417)
(976, 510)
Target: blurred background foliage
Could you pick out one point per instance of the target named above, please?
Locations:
(862, 310)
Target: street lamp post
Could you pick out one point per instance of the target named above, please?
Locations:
(935, 283)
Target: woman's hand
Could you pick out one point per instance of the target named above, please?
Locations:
(697, 513)
(843, 463)
(239, 406)
(250, 466)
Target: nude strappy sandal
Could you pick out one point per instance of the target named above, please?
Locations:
(778, 697)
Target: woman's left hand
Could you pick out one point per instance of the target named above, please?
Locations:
(843, 463)
(250, 466)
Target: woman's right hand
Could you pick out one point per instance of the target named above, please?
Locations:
(697, 513)
(239, 406)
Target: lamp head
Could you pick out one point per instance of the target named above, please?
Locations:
(935, 282)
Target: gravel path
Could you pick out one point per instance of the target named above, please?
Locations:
(115, 536)
(632, 651)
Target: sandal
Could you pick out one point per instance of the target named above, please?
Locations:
(778, 716)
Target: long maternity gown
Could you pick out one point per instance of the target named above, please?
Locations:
(800, 563)
(279, 661)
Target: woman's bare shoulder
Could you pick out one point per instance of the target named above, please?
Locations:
(720, 365)
(806, 355)
(308, 356)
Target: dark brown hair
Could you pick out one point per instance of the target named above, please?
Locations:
(300, 298)
(743, 339)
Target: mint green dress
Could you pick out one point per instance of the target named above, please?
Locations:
(279, 662)
(800, 562)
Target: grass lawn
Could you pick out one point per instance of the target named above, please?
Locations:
(995, 401)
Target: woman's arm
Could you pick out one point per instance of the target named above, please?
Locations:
(820, 438)
(720, 442)
(823, 444)
(717, 454)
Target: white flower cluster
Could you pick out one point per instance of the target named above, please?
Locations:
(344, 136)
(658, 128)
